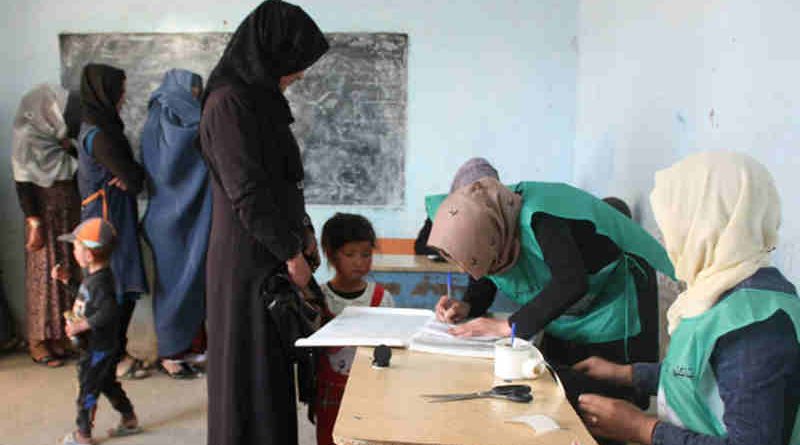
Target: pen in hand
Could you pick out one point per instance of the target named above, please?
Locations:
(513, 333)
(449, 296)
(449, 285)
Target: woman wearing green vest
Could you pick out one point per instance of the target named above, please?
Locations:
(732, 371)
(566, 256)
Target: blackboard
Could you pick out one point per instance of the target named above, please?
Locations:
(350, 109)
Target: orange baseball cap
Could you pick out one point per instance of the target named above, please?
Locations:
(93, 233)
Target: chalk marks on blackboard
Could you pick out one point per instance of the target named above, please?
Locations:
(350, 110)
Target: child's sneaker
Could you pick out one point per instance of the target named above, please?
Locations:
(72, 439)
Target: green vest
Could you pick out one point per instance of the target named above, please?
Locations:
(688, 395)
(612, 312)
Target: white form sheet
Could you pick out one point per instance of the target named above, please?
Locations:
(434, 338)
(370, 326)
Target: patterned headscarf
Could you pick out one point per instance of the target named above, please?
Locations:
(477, 228)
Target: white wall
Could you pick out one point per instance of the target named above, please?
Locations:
(658, 80)
(494, 79)
(499, 79)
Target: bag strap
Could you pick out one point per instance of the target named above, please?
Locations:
(377, 296)
(88, 141)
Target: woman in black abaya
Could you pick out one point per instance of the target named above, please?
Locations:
(258, 222)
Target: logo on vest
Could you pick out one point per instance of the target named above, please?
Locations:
(301, 185)
(683, 371)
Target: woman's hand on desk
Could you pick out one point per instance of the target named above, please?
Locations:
(482, 327)
(601, 369)
(450, 310)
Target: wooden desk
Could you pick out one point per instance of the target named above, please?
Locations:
(383, 406)
(417, 282)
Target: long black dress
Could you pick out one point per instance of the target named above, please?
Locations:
(257, 222)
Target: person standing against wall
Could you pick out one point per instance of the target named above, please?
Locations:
(178, 219)
(109, 179)
(44, 165)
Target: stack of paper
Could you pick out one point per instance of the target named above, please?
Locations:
(370, 326)
(434, 338)
(416, 329)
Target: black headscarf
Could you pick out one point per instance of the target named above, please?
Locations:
(275, 40)
(101, 89)
(72, 114)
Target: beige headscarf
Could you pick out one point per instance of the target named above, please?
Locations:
(719, 213)
(477, 228)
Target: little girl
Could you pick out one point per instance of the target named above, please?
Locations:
(348, 241)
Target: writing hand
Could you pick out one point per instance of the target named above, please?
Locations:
(450, 310)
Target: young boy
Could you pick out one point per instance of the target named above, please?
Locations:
(95, 322)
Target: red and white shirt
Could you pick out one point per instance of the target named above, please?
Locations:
(340, 359)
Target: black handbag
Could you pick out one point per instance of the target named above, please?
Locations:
(291, 315)
(294, 318)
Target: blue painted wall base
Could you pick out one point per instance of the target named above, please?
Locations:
(423, 289)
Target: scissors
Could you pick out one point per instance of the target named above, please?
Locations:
(514, 393)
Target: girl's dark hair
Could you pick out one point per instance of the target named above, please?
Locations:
(618, 204)
(344, 228)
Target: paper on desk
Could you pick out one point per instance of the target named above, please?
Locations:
(434, 337)
(441, 329)
(370, 326)
(541, 424)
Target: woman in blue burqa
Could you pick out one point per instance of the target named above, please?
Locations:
(178, 218)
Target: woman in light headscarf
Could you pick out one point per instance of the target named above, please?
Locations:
(480, 292)
(258, 222)
(178, 217)
(569, 259)
(732, 371)
(44, 165)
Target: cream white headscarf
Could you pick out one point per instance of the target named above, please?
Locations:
(36, 152)
(719, 213)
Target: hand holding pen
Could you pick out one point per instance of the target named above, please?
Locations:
(450, 310)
